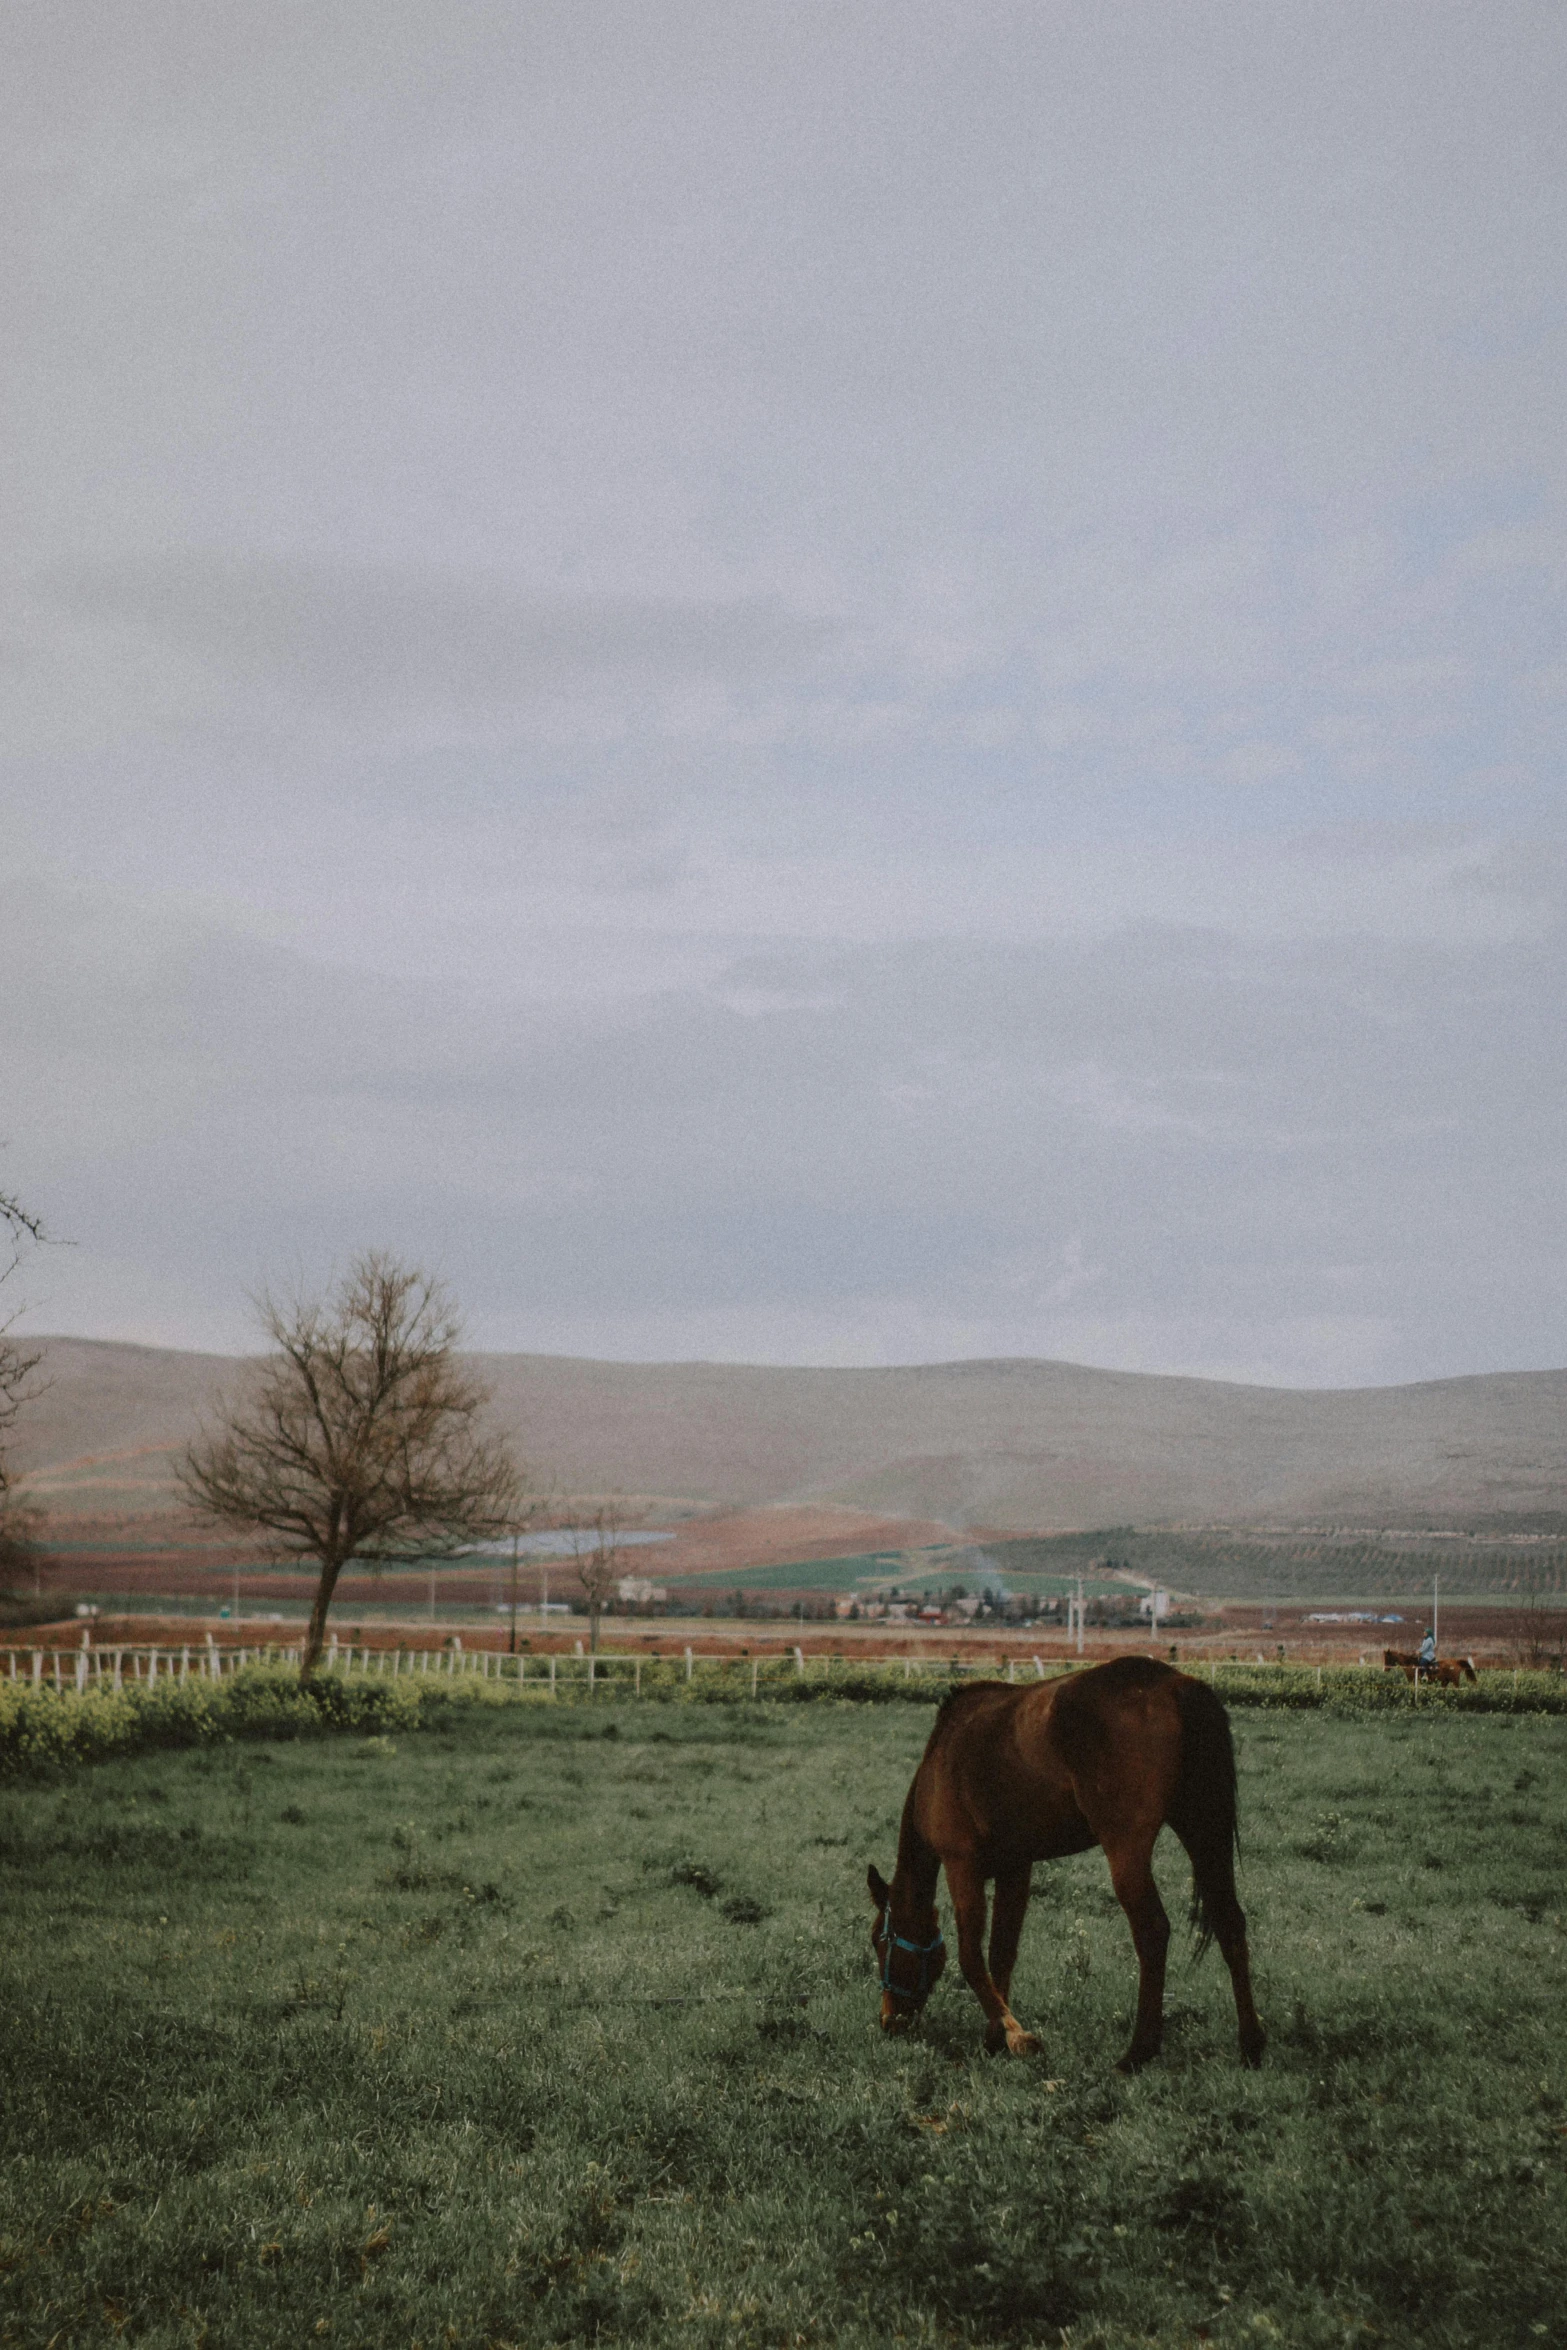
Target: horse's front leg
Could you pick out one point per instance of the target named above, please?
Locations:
(966, 1884)
(1008, 1911)
(1131, 1873)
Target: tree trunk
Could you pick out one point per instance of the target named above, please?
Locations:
(315, 1636)
(593, 1628)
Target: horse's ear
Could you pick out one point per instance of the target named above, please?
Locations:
(879, 1893)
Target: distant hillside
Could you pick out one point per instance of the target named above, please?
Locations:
(1022, 1446)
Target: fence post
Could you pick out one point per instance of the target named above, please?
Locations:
(81, 1670)
(1039, 1669)
(590, 1673)
(688, 1664)
(799, 1663)
(38, 1666)
(754, 1662)
(552, 1674)
(1009, 1672)
(11, 1661)
(57, 1668)
(639, 1676)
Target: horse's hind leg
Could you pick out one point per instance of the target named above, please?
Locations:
(1131, 1873)
(1229, 1931)
(1213, 1867)
(966, 1884)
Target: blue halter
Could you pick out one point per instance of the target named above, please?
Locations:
(923, 1951)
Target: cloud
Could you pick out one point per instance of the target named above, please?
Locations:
(385, 636)
(836, 680)
(1089, 1147)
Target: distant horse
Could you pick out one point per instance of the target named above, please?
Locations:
(1011, 1776)
(1448, 1672)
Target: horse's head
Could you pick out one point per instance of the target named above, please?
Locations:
(910, 1954)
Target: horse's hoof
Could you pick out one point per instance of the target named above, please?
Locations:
(995, 2039)
(1251, 2051)
(1022, 2044)
(1135, 2058)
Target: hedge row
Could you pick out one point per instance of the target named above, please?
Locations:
(1362, 1689)
(43, 1729)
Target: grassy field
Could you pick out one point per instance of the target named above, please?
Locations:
(543, 2025)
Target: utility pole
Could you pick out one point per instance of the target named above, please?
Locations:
(1436, 1608)
(514, 1541)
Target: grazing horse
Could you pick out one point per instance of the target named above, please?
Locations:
(1011, 1776)
(1448, 1672)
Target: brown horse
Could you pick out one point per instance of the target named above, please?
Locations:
(1011, 1776)
(1448, 1672)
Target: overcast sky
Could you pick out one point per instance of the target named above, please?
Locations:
(814, 683)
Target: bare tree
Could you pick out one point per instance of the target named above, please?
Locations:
(362, 1437)
(19, 1231)
(595, 1550)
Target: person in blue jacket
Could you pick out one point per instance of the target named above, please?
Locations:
(1426, 1652)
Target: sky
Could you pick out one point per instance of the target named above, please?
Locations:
(805, 683)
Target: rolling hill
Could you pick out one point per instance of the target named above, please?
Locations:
(1018, 1446)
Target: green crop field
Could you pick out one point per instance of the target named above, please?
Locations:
(556, 2024)
(1241, 1563)
(1211, 1563)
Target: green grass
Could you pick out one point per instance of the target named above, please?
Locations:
(552, 2025)
(42, 1729)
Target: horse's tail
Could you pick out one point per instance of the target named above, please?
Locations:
(1468, 1664)
(1203, 1813)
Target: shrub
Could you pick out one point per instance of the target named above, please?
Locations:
(42, 1729)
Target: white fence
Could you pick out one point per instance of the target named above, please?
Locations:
(114, 1668)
